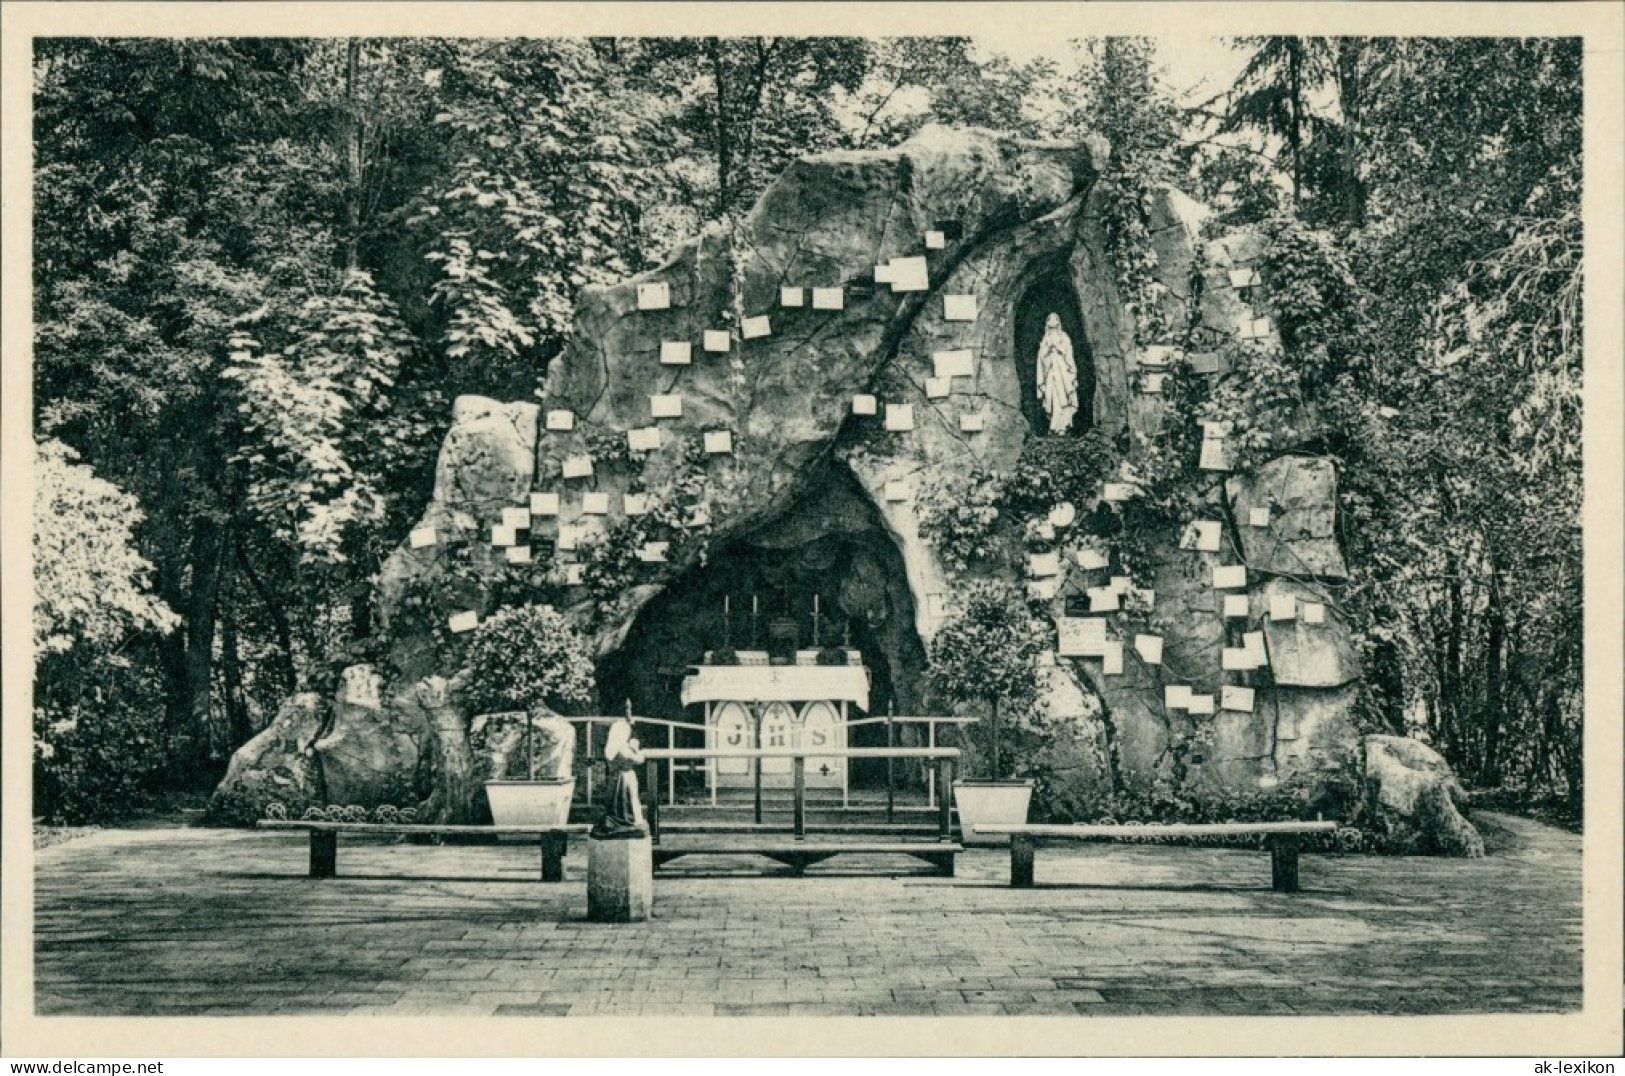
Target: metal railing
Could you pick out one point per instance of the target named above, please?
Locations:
(891, 721)
(942, 759)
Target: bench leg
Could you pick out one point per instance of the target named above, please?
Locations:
(554, 845)
(1284, 865)
(1021, 861)
(324, 854)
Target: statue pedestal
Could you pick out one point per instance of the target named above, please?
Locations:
(620, 880)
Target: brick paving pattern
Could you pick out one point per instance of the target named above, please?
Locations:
(197, 922)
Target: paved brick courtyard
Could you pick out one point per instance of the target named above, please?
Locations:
(200, 922)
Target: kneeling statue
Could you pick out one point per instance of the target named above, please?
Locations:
(623, 817)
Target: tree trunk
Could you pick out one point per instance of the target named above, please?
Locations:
(993, 733)
(1348, 98)
(191, 738)
(1294, 67)
(1450, 680)
(719, 78)
(1494, 717)
(351, 124)
(287, 665)
(239, 729)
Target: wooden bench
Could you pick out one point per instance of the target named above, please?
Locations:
(1282, 839)
(324, 840)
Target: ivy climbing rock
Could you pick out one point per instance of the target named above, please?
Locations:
(849, 358)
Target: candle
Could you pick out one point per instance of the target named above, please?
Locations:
(753, 603)
(815, 603)
(725, 605)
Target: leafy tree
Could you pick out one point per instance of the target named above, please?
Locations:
(95, 749)
(751, 105)
(555, 671)
(986, 653)
(1307, 92)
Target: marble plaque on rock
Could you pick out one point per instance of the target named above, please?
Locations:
(1204, 362)
(959, 308)
(1043, 590)
(1113, 656)
(828, 299)
(864, 404)
(1081, 636)
(635, 504)
(422, 537)
(910, 274)
(576, 467)
(544, 504)
(644, 439)
(665, 405)
(465, 621)
(938, 388)
(595, 504)
(1203, 535)
(676, 352)
(959, 362)
(792, 297)
(1236, 698)
(1149, 647)
(756, 328)
(972, 423)
(1215, 455)
(935, 240)
(655, 295)
(899, 417)
(1043, 565)
(717, 340)
(518, 554)
(719, 442)
(1117, 492)
(559, 421)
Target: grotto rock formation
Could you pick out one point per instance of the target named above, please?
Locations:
(802, 350)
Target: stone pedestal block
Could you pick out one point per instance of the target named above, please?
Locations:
(620, 880)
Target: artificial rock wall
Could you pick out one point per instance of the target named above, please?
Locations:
(695, 404)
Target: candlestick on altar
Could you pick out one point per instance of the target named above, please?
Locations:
(727, 623)
(815, 622)
(755, 634)
(846, 633)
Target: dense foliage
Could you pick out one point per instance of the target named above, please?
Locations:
(986, 653)
(263, 267)
(527, 657)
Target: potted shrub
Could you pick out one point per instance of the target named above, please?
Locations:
(985, 655)
(529, 658)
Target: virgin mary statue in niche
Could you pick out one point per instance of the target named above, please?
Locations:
(1057, 375)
